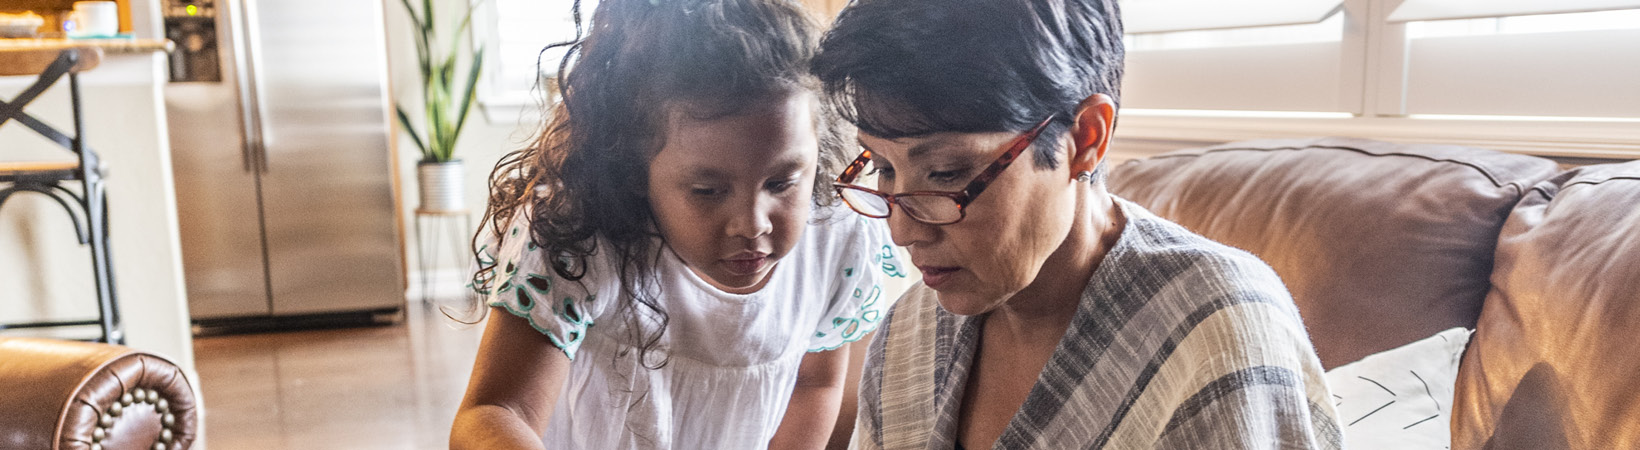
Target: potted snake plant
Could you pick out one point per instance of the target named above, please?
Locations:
(438, 172)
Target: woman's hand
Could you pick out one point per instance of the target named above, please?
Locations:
(812, 412)
(515, 385)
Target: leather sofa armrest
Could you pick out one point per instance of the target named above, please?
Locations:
(63, 395)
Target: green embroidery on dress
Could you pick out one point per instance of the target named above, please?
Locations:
(507, 273)
(540, 283)
(887, 259)
(871, 316)
(575, 336)
(570, 312)
(852, 327)
(525, 302)
(566, 345)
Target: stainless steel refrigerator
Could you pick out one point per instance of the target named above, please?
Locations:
(278, 114)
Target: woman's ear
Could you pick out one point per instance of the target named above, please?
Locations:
(1090, 132)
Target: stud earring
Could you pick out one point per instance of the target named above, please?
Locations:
(1084, 176)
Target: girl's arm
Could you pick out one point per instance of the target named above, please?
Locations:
(844, 431)
(815, 401)
(515, 384)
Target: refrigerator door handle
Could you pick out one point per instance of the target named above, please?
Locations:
(235, 30)
(250, 89)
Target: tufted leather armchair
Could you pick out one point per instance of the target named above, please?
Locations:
(62, 395)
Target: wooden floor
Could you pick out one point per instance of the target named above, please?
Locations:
(393, 387)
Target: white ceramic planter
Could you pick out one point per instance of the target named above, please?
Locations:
(442, 186)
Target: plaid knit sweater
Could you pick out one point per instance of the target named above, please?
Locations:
(1178, 342)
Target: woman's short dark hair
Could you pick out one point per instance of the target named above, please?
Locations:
(899, 68)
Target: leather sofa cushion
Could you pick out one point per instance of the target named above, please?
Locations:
(1554, 363)
(1381, 244)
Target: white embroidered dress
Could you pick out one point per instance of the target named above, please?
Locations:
(733, 358)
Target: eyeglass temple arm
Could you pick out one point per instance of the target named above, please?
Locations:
(991, 173)
(853, 170)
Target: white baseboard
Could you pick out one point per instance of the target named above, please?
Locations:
(440, 284)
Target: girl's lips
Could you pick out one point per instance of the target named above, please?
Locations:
(746, 263)
(933, 276)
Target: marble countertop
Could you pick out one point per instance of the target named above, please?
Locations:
(111, 46)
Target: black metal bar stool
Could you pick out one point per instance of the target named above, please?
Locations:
(88, 209)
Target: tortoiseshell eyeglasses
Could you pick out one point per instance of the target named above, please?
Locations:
(930, 207)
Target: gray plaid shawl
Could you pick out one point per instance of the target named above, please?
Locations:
(1178, 342)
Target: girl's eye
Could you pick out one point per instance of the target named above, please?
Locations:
(705, 191)
(882, 172)
(779, 185)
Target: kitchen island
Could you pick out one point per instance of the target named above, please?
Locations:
(44, 271)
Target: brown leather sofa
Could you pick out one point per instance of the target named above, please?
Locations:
(1383, 244)
(62, 395)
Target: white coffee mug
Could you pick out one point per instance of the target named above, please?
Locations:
(95, 19)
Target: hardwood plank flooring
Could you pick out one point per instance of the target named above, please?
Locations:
(391, 387)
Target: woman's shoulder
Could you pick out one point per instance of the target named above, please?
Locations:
(1151, 239)
(1160, 261)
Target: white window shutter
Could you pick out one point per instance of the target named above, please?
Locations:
(1421, 10)
(1160, 16)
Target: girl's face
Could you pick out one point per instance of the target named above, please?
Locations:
(732, 194)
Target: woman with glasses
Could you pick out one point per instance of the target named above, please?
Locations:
(1051, 314)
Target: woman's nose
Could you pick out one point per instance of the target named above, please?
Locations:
(906, 230)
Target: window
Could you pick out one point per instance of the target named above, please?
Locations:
(1559, 65)
(1330, 29)
(1271, 55)
(1543, 77)
(519, 30)
(516, 33)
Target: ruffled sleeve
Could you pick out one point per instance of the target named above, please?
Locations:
(858, 305)
(528, 287)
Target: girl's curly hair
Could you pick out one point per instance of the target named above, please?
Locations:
(584, 178)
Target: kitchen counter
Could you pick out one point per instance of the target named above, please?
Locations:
(107, 45)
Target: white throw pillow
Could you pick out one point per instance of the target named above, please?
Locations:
(1400, 398)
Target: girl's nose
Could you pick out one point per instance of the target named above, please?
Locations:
(752, 221)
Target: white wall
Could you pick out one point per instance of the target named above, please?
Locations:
(483, 142)
(44, 272)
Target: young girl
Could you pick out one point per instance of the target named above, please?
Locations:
(655, 275)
